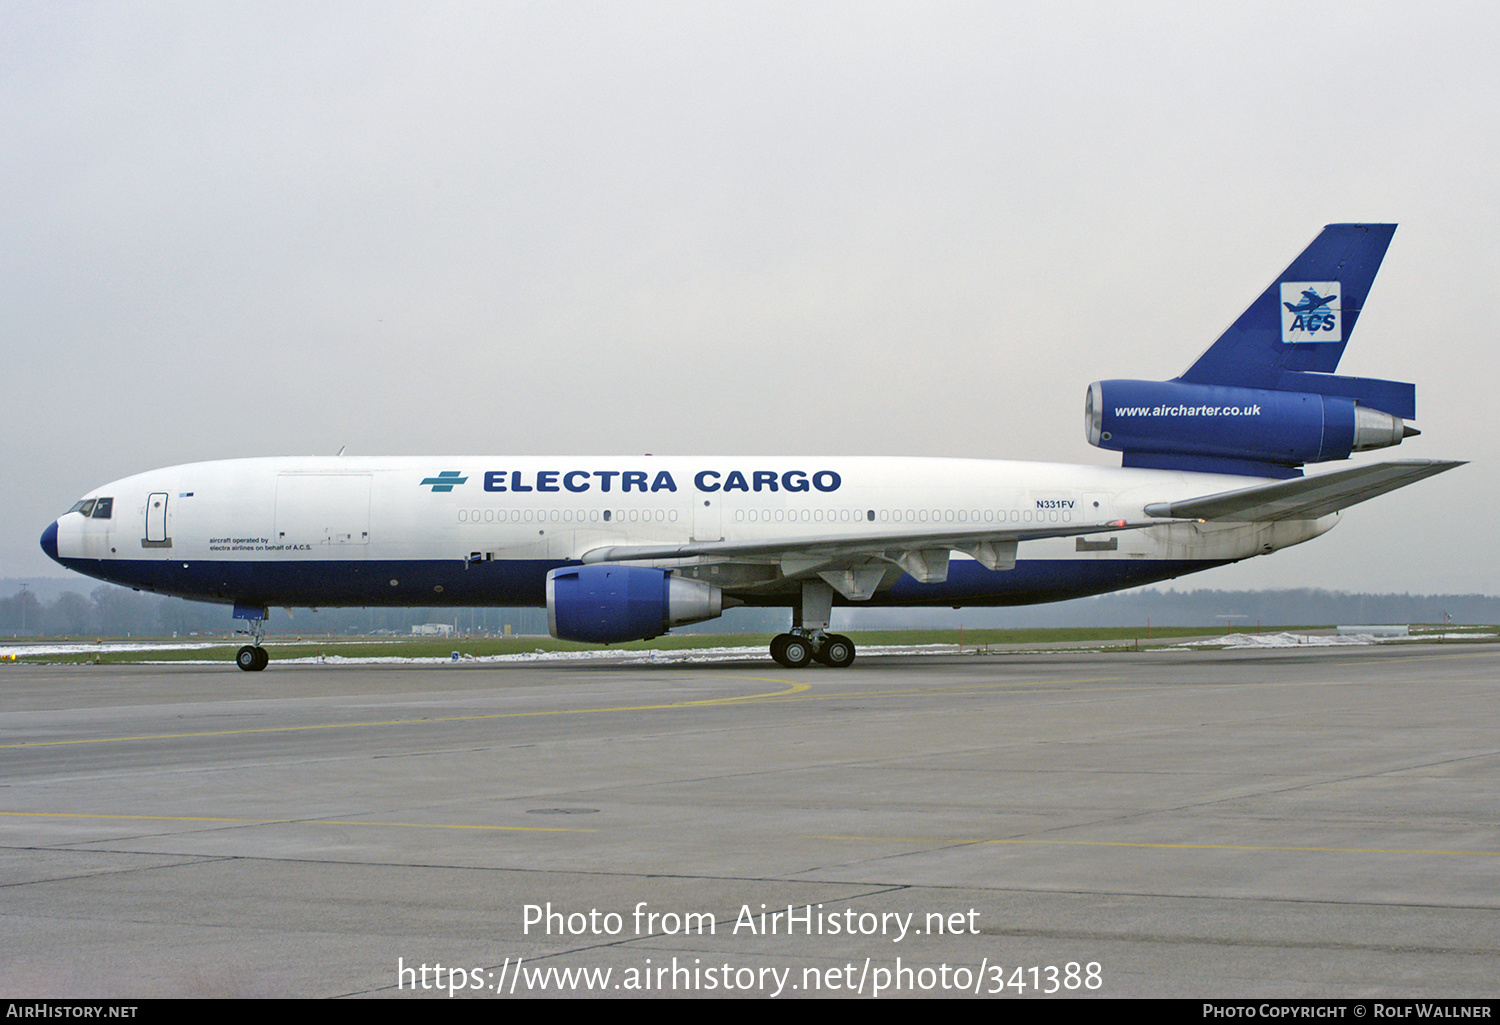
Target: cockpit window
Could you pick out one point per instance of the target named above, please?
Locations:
(83, 505)
(103, 507)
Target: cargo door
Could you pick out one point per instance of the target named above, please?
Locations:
(322, 509)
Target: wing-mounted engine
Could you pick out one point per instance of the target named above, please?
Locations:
(607, 604)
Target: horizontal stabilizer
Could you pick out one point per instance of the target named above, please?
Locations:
(1303, 498)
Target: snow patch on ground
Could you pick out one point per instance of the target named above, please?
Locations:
(102, 647)
(1294, 640)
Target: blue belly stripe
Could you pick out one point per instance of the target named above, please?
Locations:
(437, 583)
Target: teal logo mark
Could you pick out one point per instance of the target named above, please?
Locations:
(444, 481)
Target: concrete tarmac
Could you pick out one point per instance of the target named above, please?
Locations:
(1303, 823)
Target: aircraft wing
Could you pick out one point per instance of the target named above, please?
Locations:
(855, 565)
(844, 545)
(1303, 498)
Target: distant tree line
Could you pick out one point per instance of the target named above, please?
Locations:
(109, 611)
(44, 608)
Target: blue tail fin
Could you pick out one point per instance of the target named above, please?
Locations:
(1301, 323)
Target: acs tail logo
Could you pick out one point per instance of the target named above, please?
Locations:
(1311, 311)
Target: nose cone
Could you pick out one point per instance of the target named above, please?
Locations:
(49, 541)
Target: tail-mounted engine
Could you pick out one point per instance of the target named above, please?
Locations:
(1221, 429)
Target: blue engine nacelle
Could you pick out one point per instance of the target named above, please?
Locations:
(1222, 429)
(608, 603)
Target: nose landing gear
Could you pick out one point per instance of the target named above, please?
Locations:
(252, 658)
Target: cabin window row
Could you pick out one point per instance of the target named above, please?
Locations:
(904, 515)
(567, 516)
(917, 516)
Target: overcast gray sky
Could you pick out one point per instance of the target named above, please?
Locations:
(862, 228)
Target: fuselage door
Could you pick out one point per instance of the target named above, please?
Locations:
(708, 523)
(156, 517)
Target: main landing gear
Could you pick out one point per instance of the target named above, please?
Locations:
(796, 649)
(252, 658)
(809, 639)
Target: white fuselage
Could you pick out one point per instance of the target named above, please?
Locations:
(408, 530)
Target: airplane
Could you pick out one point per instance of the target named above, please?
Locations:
(1311, 301)
(625, 548)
